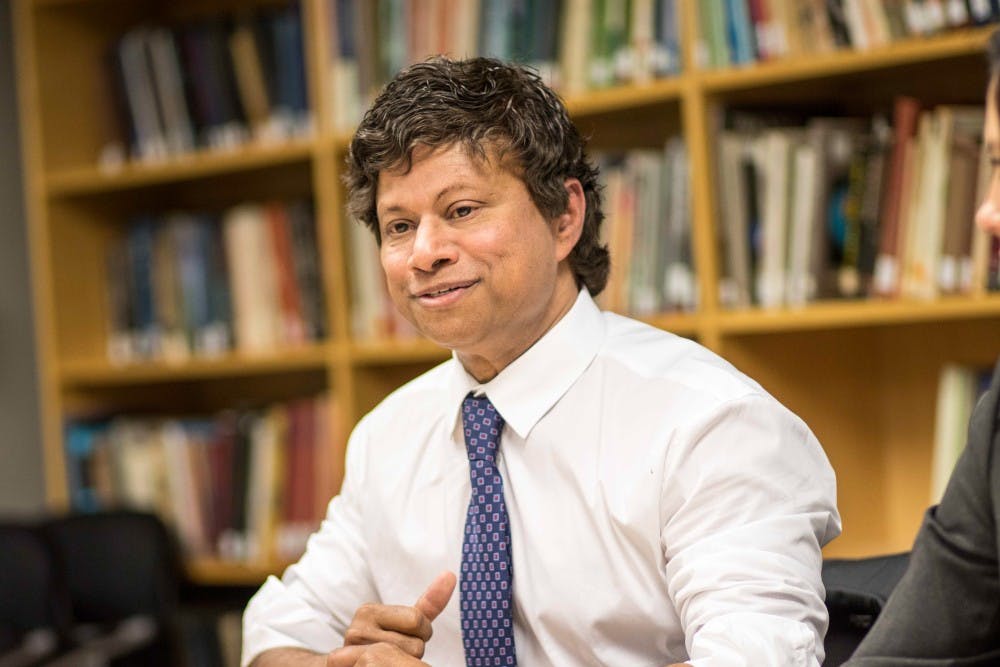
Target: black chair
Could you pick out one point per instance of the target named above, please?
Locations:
(122, 573)
(856, 592)
(34, 602)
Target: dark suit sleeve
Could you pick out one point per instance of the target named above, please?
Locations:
(946, 608)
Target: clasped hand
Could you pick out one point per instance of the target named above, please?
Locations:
(389, 635)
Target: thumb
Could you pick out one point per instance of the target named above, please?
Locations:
(345, 656)
(436, 597)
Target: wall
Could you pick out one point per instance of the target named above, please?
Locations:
(21, 490)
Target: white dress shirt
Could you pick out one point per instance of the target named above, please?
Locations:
(663, 508)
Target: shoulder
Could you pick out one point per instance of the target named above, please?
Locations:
(423, 395)
(984, 436)
(649, 355)
(411, 414)
(986, 415)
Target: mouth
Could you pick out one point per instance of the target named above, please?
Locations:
(445, 291)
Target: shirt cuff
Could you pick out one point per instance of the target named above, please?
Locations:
(750, 640)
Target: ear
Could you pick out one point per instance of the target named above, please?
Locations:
(568, 226)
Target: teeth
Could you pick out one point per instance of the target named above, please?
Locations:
(444, 291)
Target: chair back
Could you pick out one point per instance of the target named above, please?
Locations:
(856, 592)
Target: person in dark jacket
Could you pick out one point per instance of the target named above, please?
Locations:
(946, 608)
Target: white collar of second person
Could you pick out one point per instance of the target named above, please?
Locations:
(529, 387)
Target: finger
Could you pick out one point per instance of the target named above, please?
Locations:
(382, 655)
(345, 656)
(436, 597)
(371, 620)
(409, 642)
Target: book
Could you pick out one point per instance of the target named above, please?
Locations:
(938, 131)
(168, 83)
(251, 84)
(645, 168)
(955, 267)
(906, 111)
(959, 386)
(167, 295)
(983, 254)
(292, 327)
(265, 472)
(140, 248)
(680, 288)
(666, 54)
(734, 210)
(150, 143)
(252, 277)
(83, 440)
(212, 93)
(191, 244)
(773, 160)
(805, 217)
(344, 72)
(574, 31)
(306, 263)
(739, 32)
(120, 347)
(926, 211)
(186, 506)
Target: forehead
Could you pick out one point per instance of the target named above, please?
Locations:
(436, 167)
(456, 156)
(991, 127)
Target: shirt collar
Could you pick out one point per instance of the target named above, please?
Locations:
(528, 388)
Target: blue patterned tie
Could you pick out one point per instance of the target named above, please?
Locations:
(487, 629)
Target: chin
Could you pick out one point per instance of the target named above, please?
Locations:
(451, 337)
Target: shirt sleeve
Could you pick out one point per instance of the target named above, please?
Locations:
(947, 605)
(313, 603)
(750, 500)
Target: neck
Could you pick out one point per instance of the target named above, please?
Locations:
(486, 367)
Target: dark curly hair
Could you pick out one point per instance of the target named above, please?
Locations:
(492, 109)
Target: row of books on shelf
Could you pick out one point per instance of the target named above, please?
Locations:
(574, 44)
(959, 388)
(647, 228)
(189, 284)
(246, 485)
(854, 207)
(216, 83)
(739, 32)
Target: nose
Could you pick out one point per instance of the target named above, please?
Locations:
(988, 213)
(433, 245)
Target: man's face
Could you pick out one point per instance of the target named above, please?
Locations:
(988, 214)
(469, 259)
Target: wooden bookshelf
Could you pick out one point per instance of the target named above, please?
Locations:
(861, 373)
(210, 571)
(91, 179)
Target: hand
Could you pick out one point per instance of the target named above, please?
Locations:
(391, 634)
(373, 655)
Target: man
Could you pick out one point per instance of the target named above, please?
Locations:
(608, 493)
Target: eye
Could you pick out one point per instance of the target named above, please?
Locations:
(397, 227)
(463, 211)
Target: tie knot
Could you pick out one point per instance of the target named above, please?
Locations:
(482, 424)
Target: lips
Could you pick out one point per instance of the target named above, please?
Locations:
(443, 289)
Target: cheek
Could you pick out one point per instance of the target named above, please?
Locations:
(393, 262)
(988, 217)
